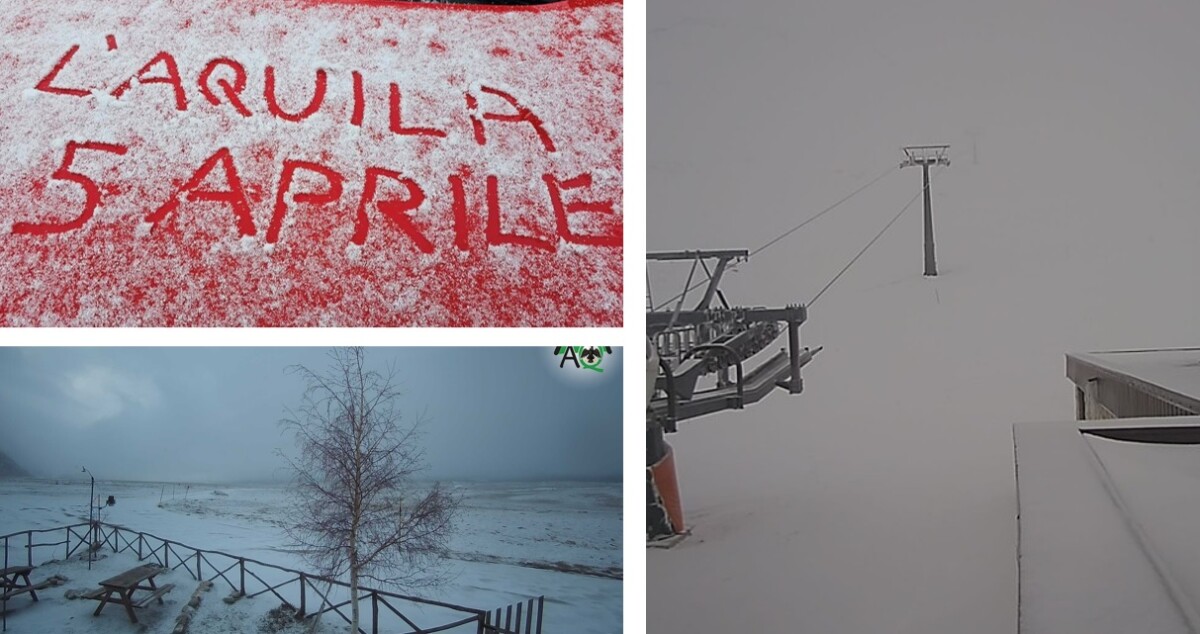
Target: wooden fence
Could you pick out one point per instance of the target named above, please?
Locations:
(312, 595)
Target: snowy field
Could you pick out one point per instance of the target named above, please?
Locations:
(882, 499)
(515, 541)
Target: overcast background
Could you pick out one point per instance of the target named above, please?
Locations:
(211, 414)
(883, 498)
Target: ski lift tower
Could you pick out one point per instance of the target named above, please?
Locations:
(706, 360)
(926, 155)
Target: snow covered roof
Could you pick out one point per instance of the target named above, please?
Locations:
(1172, 375)
(1107, 526)
(310, 162)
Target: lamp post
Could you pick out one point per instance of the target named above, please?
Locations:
(91, 522)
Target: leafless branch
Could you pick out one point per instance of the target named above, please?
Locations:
(359, 511)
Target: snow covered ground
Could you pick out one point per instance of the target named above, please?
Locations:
(515, 541)
(1106, 528)
(336, 163)
(882, 499)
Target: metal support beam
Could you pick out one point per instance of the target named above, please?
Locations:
(714, 280)
(723, 258)
(755, 386)
(686, 347)
(659, 320)
(796, 385)
(729, 254)
(924, 156)
(930, 258)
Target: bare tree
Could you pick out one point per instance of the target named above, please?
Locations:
(353, 480)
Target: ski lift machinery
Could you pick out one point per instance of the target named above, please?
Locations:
(706, 360)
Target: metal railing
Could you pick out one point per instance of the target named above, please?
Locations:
(249, 578)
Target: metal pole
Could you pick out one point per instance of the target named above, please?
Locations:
(797, 383)
(930, 260)
(91, 522)
(926, 155)
(656, 445)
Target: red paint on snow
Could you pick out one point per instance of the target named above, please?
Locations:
(171, 79)
(333, 191)
(234, 195)
(318, 96)
(562, 5)
(47, 82)
(90, 188)
(232, 92)
(395, 210)
(483, 142)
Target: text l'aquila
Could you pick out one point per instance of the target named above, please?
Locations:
(222, 83)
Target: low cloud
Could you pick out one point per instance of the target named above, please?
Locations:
(100, 393)
(212, 414)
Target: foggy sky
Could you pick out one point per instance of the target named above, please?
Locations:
(211, 414)
(882, 498)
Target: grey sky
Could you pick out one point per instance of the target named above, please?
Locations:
(1067, 221)
(210, 414)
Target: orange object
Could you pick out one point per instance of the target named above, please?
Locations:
(668, 488)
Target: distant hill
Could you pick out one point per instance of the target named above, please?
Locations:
(10, 469)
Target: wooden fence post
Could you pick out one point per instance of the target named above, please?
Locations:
(98, 535)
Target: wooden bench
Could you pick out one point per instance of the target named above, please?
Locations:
(120, 589)
(93, 594)
(23, 589)
(157, 594)
(11, 583)
(14, 581)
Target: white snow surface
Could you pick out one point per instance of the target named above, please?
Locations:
(882, 499)
(1083, 567)
(515, 541)
(1158, 486)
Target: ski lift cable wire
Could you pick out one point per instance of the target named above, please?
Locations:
(876, 238)
(824, 211)
(773, 241)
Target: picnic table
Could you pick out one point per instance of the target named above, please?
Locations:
(15, 580)
(120, 589)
